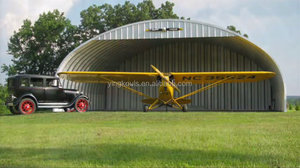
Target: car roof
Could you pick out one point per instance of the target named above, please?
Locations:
(33, 76)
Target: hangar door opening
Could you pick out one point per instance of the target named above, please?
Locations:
(191, 55)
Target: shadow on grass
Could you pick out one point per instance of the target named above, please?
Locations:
(129, 155)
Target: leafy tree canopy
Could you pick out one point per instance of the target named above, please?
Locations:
(98, 19)
(233, 28)
(3, 96)
(38, 48)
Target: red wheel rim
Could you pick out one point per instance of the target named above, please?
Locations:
(27, 107)
(82, 105)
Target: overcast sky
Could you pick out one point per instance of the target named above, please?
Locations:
(271, 24)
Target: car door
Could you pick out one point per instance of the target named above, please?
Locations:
(37, 88)
(53, 93)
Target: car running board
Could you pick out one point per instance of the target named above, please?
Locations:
(53, 105)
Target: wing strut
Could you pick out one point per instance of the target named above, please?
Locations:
(126, 87)
(204, 88)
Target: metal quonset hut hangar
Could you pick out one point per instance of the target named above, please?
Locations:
(199, 47)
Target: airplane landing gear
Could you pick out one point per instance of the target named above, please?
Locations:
(184, 108)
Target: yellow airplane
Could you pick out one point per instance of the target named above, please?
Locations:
(167, 83)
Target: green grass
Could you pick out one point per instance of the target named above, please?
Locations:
(154, 139)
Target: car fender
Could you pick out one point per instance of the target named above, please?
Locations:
(79, 96)
(29, 95)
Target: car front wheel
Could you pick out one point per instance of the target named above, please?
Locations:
(27, 106)
(81, 105)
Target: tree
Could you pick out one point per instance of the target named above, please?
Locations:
(98, 19)
(38, 48)
(297, 108)
(291, 106)
(233, 28)
(146, 11)
(166, 11)
(9, 69)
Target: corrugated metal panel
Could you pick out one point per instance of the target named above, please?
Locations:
(190, 29)
(199, 47)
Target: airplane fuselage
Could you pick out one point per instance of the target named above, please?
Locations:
(165, 91)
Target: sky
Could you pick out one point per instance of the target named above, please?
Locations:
(273, 25)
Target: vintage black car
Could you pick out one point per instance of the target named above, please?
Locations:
(30, 92)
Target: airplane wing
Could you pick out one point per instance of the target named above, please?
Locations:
(180, 77)
(212, 77)
(106, 77)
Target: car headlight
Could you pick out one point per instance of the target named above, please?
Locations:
(13, 97)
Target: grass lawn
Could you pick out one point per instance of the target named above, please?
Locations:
(154, 139)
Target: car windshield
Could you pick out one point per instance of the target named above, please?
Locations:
(51, 83)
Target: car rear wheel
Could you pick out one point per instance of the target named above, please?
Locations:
(81, 105)
(27, 106)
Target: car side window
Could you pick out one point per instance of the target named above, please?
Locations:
(51, 83)
(36, 82)
(24, 82)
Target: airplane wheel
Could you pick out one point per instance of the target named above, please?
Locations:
(146, 108)
(27, 106)
(184, 108)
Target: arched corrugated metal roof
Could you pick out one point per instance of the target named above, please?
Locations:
(191, 29)
(106, 50)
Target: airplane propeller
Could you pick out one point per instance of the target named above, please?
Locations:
(164, 78)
